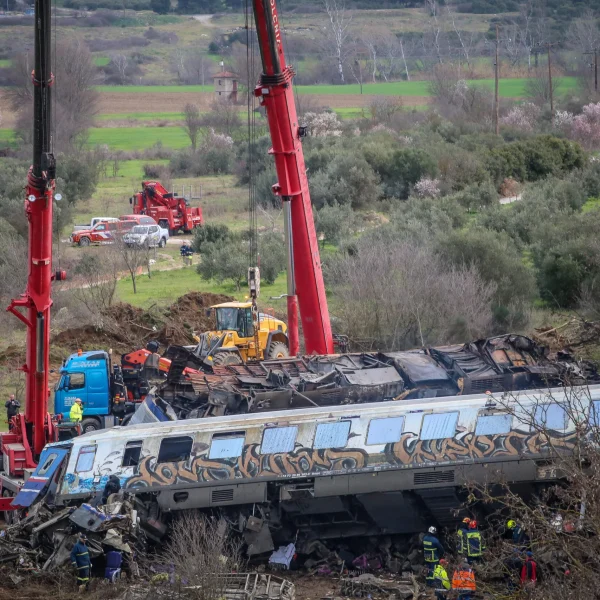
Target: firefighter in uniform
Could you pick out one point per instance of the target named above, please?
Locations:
(461, 536)
(474, 545)
(441, 580)
(80, 559)
(432, 552)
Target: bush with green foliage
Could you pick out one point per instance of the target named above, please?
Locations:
(335, 222)
(210, 234)
(348, 179)
(534, 159)
(498, 261)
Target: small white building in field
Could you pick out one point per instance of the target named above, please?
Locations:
(226, 86)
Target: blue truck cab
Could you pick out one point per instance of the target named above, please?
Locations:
(92, 377)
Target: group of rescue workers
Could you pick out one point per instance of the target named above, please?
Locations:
(80, 554)
(469, 548)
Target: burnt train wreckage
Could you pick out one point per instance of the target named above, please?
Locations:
(497, 364)
(323, 472)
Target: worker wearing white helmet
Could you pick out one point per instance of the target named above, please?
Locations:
(432, 552)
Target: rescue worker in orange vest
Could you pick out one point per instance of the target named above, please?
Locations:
(463, 581)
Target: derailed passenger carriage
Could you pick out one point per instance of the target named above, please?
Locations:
(387, 467)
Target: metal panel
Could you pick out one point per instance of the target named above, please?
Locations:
(206, 496)
(374, 376)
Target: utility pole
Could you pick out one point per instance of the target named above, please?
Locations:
(550, 90)
(497, 87)
(594, 66)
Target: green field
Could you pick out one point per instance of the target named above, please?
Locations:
(165, 286)
(141, 116)
(138, 138)
(145, 89)
(509, 88)
(5, 62)
(101, 61)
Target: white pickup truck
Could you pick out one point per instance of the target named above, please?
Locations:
(93, 222)
(150, 235)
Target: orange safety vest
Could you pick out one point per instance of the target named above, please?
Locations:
(463, 580)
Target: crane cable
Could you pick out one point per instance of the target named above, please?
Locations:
(253, 255)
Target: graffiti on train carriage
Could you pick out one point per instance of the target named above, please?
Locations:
(251, 464)
(466, 446)
(410, 451)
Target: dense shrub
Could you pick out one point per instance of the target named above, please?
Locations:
(497, 260)
(534, 159)
(348, 179)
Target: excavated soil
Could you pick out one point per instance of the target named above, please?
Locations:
(125, 328)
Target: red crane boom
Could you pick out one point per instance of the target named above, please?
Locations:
(305, 278)
(31, 431)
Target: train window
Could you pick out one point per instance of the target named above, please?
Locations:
(278, 439)
(131, 456)
(439, 426)
(551, 416)
(595, 413)
(85, 460)
(385, 431)
(332, 435)
(175, 449)
(46, 466)
(493, 424)
(227, 445)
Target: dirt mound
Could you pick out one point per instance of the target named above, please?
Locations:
(186, 315)
(125, 328)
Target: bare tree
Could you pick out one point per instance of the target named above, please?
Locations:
(121, 63)
(466, 40)
(191, 65)
(97, 280)
(338, 32)
(223, 117)
(76, 99)
(246, 67)
(192, 123)
(135, 258)
(400, 296)
(537, 87)
(436, 30)
(203, 554)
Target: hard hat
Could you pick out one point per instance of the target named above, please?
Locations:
(83, 537)
(432, 529)
(466, 520)
(510, 524)
(529, 553)
(472, 524)
(443, 561)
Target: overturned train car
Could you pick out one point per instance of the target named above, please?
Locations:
(326, 472)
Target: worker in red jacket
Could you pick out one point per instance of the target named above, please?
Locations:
(529, 571)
